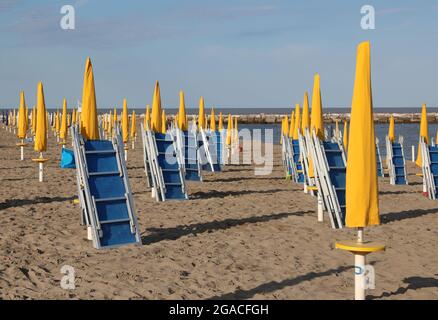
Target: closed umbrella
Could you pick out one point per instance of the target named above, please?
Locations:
(362, 195)
(40, 143)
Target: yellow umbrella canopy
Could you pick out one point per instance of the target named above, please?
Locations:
(58, 122)
(305, 121)
(297, 121)
(291, 125)
(156, 110)
(201, 116)
(182, 119)
(391, 130)
(221, 122)
(125, 122)
(212, 121)
(163, 122)
(115, 118)
(73, 116)
(345, 135)
(89, 123)
(147, 118)
(133, 125)
(229, 130)
(34, 114)
(63, 130)
(22, 120)
(362, 194)
(424, 133)
(40, 144)
(316, 121)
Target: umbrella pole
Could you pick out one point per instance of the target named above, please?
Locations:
(359, 270)
(133, 144)
(320, 208)
(40, 171)
(22, 150)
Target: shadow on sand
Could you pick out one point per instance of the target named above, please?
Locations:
(275, 285)
(222, 194)
(22, 202)
(160, 234)
(409, 214)
(413, 283)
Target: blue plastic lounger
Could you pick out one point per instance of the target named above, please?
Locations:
(430, 168)
(299, 176)
(396, 162)
(380, 172)
(337, 173)
(192, 167)
(329, 164)
(104, 191)
(170, 168)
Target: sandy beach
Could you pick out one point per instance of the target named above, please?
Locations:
(240, 236)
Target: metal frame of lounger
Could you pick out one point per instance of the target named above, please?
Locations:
(206, 148)
(379, 159)
(306, 145)
(88, 202)
(147, 168)
(427, 170)
(330, 198)
(288, 158)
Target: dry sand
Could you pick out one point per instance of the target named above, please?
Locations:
(240, 236)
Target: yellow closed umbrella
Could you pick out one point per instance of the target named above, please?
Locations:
(133, 125)
(90, 124)
(40, 144)
(40, 141)
(345, 135)
(424, 133)
(22, 124)
(305, 121)
(362, 194)
(133, 128)
(212, 121)
(125, 122)
(163, 122)
(229, 130)
(63, 129)
(147, 118)
(297, 121)
(34, 114)
(316, 120)
(221, 122)
(22, 121)
(182, 118)
(362, 199)
(201, 115)
(156, 110)
(110, 124)
(291, 129)
(73, 116)
(391, 130)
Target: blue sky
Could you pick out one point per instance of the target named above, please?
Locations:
(237, 53)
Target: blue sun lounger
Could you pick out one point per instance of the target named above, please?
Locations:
(380, 172)
(396, 162)
(430, 168)
(104, 191)
(329, 164)
(191, 158)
